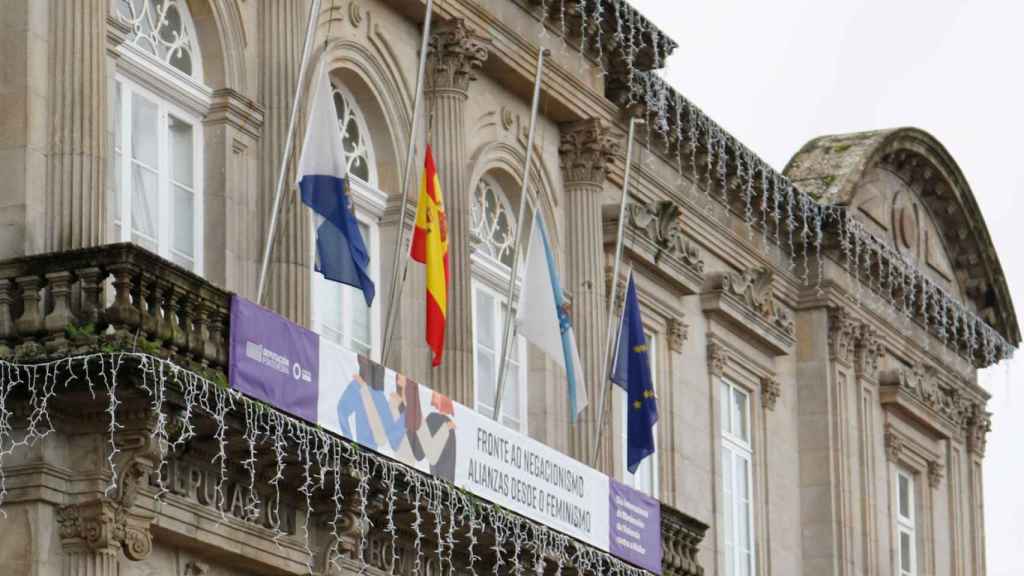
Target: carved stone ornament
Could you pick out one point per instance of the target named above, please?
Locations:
(868, 351)
(771, 389)
(587, 149)
(893, 445)
(456, 52)
(754, 287)
(935, 473)
(678, 332)
(109, 523)
(922, 383)
(661, 223)
(718, 358)
(977, 426)
(842, 334)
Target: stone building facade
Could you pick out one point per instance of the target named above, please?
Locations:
(815, 334)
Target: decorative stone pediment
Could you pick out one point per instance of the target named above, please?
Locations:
(747, 300)
(654, 234)
(920, 391)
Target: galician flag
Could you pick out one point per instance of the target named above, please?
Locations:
(543, 316)
(341, 253)
(430, 246)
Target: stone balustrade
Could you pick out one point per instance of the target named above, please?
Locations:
(112, 297)
(681, 536)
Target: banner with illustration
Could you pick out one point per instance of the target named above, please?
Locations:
(293, 369)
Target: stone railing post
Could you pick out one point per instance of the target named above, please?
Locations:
(587, 150)
(455, 54)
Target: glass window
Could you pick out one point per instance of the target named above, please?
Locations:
(492, 221)
(646, 477)
(906, 523)
(489, 310)
(162, 30)
(155, 178)
(737, 490)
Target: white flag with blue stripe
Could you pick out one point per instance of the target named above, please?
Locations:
(341, 253)
(542, 316)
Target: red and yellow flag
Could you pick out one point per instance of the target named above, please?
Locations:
(430, 246)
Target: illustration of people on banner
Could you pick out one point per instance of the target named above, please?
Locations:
(388, 412)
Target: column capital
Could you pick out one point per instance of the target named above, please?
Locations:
(587, 149)
(455, 53)
(105, 525)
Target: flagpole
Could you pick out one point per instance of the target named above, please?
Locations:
(410, 152)
(508, 332)
(282, 172)
(606, 381)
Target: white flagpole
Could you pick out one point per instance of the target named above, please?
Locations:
(606, 383)
(398, 283)
(508, 333)
(282, 172)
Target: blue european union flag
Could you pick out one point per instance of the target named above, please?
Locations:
(341, 254)
(632, 373)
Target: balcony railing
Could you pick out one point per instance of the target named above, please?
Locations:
(118, 296)
(121, 297)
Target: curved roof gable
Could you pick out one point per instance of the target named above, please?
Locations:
(921, 187)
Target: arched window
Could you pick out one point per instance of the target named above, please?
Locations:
(493, 234)
(155, 171)
(339, 311)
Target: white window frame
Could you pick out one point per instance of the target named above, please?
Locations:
(369, 203)
(491, 283)
(647, 474)
(736, 447)
(165, 207)
(906, 525)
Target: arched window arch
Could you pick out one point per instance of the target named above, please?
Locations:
(339, 311)
(155, 171)
(493, 221)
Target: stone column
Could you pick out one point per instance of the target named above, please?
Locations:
(587, 150)
(455, 52)
(76, 171)
(282, 29)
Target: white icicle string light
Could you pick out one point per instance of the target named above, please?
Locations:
(114, 426)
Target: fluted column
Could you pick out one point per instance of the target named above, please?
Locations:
(455, 52)
(587, 149)
(75, 181)
(282, 28)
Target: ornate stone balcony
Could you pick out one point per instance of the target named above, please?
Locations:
(118, 296)
(92, 347)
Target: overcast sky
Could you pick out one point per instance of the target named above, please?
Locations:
(778, 73)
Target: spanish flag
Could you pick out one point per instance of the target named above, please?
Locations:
(430, 246)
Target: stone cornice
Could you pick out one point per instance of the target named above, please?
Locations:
(456, 52)
(587, 149)
(747, 299)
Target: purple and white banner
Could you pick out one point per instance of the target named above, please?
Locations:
(295, 370)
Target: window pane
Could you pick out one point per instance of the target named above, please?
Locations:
(181, 152)
(360, 318)
(485, 319)
(485, 377)
(329, 309)
(906, 552)
(184, 221)
(144, 130)
(904, 495)
(510, 402)
(144, 204)
(740, 414)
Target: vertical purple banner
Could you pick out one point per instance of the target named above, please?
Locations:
(634, 526)
(273, 360)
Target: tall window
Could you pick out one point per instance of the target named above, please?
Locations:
(736, 481)
(646, 477)
(155, 171)
(340, 312)
(492, 235)
(906, 523)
